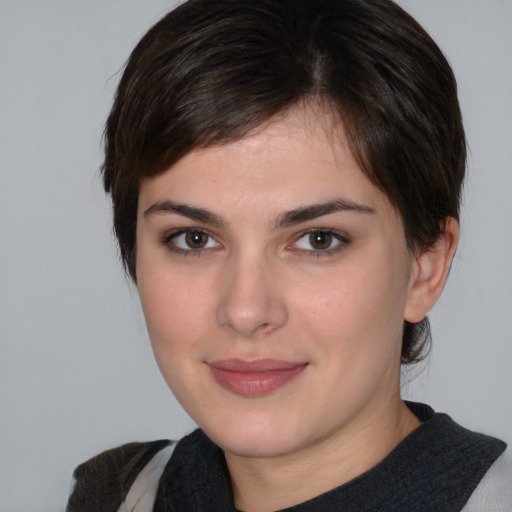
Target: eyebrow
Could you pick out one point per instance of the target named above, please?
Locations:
(309, 212)
(191, 212)
(295, 216)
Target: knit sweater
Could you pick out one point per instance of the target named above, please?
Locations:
(439, 467)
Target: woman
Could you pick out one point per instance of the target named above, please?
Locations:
(286, 179)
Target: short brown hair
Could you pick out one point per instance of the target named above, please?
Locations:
(211, 71)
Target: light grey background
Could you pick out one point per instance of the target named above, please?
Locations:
(76, 370)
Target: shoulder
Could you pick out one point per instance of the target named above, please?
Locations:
(107, 480)
(494, 492)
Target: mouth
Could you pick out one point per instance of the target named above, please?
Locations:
(254, 378)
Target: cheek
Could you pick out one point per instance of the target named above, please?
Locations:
(176, 311)
(176, 307)
(360, 309)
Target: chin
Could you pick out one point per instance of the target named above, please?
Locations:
(255, 446)
(255, 437)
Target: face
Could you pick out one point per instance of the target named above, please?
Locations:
(274, 278)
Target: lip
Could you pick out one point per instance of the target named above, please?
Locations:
(254, 378)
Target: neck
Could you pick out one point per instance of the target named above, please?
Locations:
(263, 485)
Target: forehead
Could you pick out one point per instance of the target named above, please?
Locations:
(299, 158)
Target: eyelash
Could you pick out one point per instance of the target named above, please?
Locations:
(337, 238)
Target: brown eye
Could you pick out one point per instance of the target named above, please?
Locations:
(320, 240)
(196, 239)
(192, 241)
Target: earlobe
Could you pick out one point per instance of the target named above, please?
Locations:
(429, 274)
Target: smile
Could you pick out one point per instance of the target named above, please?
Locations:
(254, 378)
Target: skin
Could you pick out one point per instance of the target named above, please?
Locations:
(259, 288)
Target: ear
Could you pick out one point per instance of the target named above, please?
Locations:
(429, 273)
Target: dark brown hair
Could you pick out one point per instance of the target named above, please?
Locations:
(213, 70)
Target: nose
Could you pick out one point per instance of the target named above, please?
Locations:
(251, 303)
